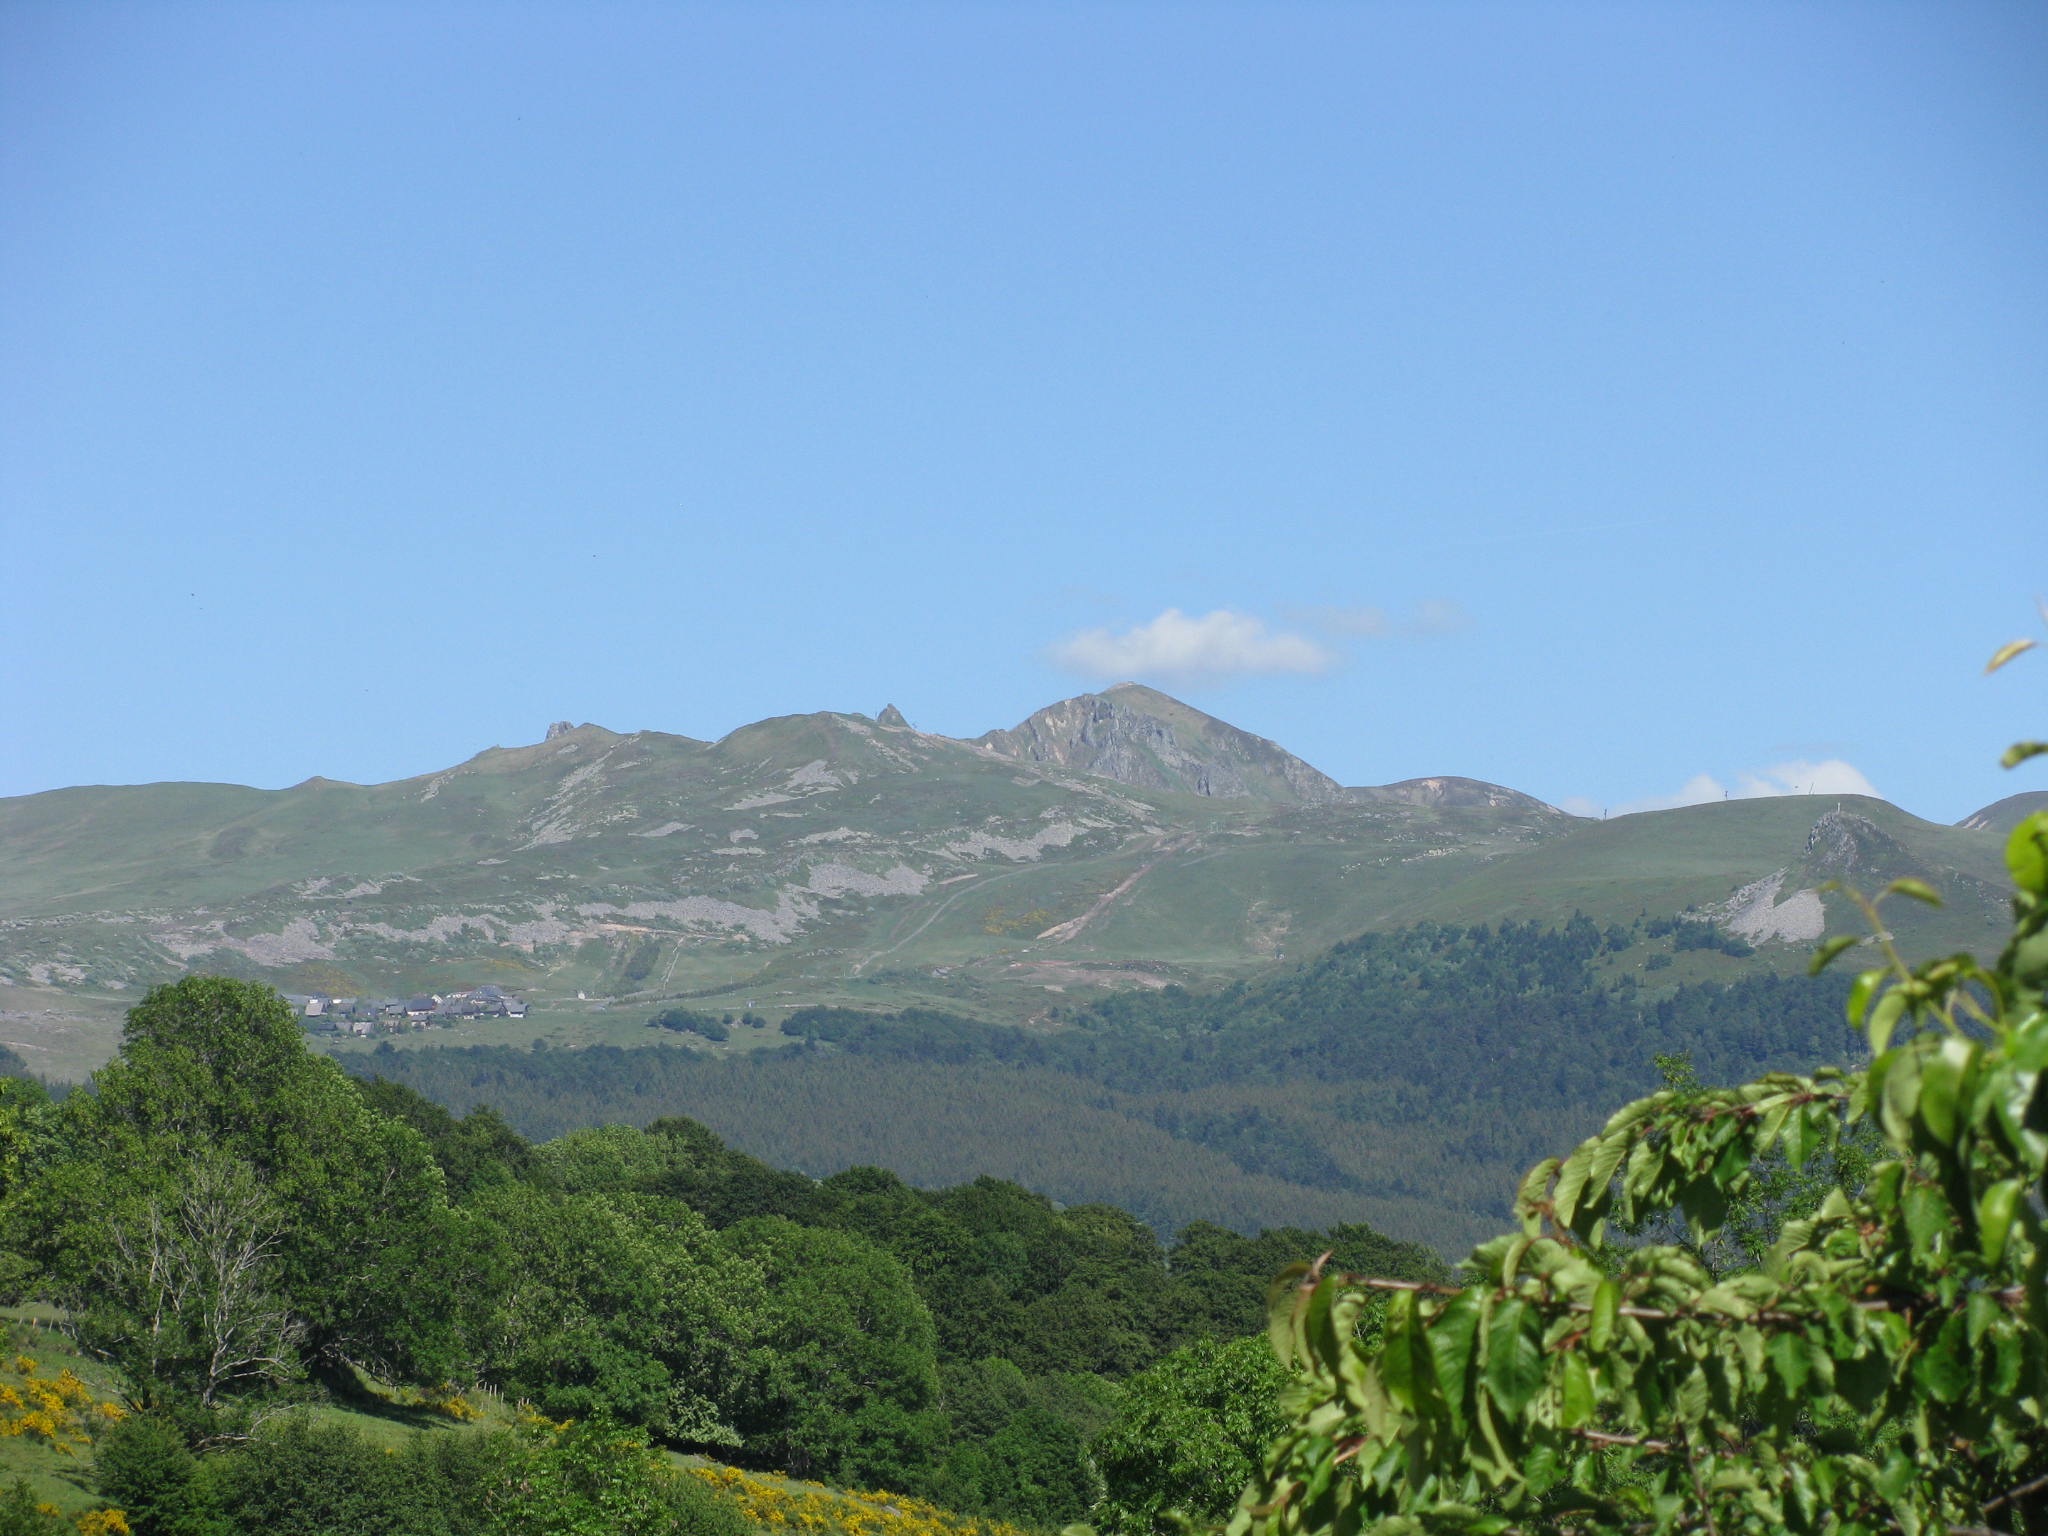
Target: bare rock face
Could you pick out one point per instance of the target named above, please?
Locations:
(1842, 843)
(559, 728)
(1141, 737)
(891, 715)
(1845, 846)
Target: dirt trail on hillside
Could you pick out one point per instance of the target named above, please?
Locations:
(981, 884)
(1060, 933)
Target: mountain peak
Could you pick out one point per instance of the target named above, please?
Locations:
(1148, 739)
(891, 715)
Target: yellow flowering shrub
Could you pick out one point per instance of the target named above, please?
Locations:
(59, 1410)
(815, 1510)
(448, 1401)
(21, 1510)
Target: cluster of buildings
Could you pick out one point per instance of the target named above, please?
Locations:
(369, 1015)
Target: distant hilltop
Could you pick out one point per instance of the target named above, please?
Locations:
(1112, 840)
(1141, 737)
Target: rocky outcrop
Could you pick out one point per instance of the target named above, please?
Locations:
(559, 728)
(1842, 844)
(1140, 737)
(891, 715)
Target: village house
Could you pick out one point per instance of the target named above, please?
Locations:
(366, 1016)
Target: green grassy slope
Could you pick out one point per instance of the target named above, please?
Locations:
(1665, 861)
(827, 858)
(2001, 816)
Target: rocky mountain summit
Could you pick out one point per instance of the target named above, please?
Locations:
(1141, 737)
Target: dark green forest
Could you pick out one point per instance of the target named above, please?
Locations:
(1402, 1078)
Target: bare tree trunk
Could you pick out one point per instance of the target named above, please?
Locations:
(181, 1300)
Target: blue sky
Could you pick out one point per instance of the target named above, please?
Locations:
(1597, 399)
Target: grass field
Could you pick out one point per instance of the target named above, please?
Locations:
(57, 1473)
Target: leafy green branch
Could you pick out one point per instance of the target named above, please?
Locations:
(1880, 1364)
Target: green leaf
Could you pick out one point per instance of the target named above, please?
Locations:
(1944, 1367)
(1749, 1344)
(1514, 1358)
(2026, 854)
(1606, 1313)
(1541, 1471)
(1570, 1180)
(1725, 1300)
(1535, 1184)
(2008, 1358)
(1283, 1305)
(1512, 1259)
(1790, 1360)
(2020, 751)
(1941, 1077)
(1860, 992)
(1820, 1364)
(1884, 1018)
(1600, 1179)
(1900, 1092)
(1928, 1218)
(1629, 1114)
(1981, 1314)
(1453, 1333)
(1398, 1362)
(1801, 1136)
(1995, 1211)
(1824, 956)
(1917, 890)
(1577, 1401)
(1689, 1402)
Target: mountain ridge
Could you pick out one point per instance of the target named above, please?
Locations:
(831, 858)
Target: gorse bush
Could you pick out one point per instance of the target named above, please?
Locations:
(58, 1410)
(814, 1510)
(23, 1514)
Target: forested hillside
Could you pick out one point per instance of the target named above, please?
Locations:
(229, 1225)
(1402, 1078)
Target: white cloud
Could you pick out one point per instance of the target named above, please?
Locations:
(1174, 645)
(1831, 776)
